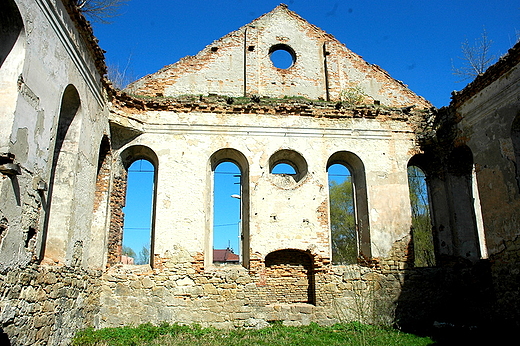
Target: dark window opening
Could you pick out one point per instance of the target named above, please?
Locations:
(3, 229)
(11, 26)
(30, 237)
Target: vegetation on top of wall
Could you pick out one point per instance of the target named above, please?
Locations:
(348, 100)
(352, 334)
(353, 96)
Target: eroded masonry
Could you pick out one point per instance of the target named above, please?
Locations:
(68, 139)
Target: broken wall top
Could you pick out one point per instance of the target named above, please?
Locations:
(239, 64)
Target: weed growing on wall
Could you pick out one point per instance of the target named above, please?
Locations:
(352, 96)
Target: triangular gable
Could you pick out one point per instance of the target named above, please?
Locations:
(239, 64)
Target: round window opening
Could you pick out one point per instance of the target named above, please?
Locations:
(282, 56)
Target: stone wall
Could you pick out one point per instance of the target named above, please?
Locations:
(46, 305)
(231, 296)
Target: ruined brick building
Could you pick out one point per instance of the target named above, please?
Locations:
(67, 139)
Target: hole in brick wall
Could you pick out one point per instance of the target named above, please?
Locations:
(214, 49)
(31, 234)
(251, 48)
(3, 229)
(282, 56)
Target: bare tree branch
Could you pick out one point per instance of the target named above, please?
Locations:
(120, 78)
(475, 58)
(100, 10)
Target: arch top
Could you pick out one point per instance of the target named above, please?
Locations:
(138, 152)
(230, 155)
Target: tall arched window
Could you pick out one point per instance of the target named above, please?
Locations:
(228, 238)
(227, 216)
(62, 178)
(460, 182)
(12, 54)
(344, 237)
(348, 172)
(422, 237)
(132, 207)
(97, 251)
(138, 211)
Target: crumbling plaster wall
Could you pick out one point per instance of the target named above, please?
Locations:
(40, 304)
(53, 52)
(50, 64)
(485, 126)
(282, 213)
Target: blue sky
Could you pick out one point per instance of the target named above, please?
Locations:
(414, 40)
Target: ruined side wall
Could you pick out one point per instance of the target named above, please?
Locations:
(486, 127)
(233, 297)
(55, 57)
(42, 305)
(388, 293)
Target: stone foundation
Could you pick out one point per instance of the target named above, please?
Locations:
(46, 305)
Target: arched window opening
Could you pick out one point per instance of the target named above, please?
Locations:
(227, 237)
(11, 26)
(347, 168)
(422, 236)
(62, 180)
(461, 185)
(12, 54)
(515, 138)
(288, 168)
(227, 214)
(134, 185)
(344, 235)
(284, 168)
(138, 213)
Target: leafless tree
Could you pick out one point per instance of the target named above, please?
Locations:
(475, 58)
(120, 78)
(100, 10)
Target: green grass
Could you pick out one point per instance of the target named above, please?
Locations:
(351, 334)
